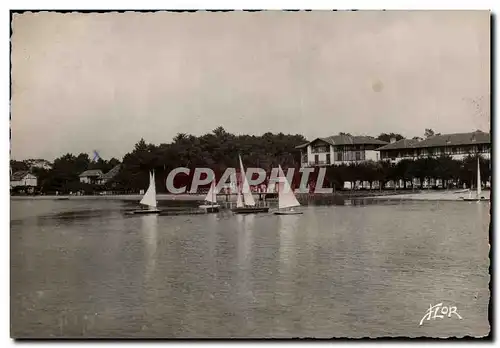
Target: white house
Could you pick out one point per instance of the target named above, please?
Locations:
(339, 149)
(24, 179)
(92, 176)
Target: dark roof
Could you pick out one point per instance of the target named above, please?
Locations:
(441, 140)
(302, 146)
(400, 144)
(92, 172)
(19, 175)
(353, 140)
(471, 138)
(111, 173)
(347, 140)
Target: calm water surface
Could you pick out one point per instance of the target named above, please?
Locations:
(83, 269)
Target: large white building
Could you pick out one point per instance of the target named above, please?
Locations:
(339, 149)
(457, 145)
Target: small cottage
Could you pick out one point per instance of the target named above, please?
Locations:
(24, 179)
(92, 176)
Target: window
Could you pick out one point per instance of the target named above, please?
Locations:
(320, 149)
(358, 155)
(316, 159)
(339, 156)
(327, 158)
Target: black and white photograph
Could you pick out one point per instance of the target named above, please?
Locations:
(250, 174)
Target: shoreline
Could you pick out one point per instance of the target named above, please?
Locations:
(374, 194)
(454, 195)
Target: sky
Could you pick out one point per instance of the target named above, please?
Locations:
(103, 81)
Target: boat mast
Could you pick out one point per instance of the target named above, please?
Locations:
(478, 189)
(213, 194)
(278, 189)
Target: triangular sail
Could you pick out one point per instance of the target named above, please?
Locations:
(239, 200)
(247, 194)
(286, 197)
(211, 196)
(478, 179)
(149, 198)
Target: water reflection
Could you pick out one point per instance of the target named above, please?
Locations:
(244, 279)
(287, 231)
(245, 223)
(287, 257)
(149, 231)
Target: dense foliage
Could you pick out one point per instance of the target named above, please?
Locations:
(217, 150)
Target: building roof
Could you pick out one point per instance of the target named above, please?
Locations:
(92, 172)
(471, 138)
(111, 173)
(400, 144)
(19, 175)
(302, 145)
(347, 140)
(441, 140)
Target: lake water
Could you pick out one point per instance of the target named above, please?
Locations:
(83, 269)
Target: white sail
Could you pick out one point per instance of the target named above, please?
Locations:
(247, 194)
(239, 200)
(149, 198)
(478, 179)
(211, 196)
(286, 197)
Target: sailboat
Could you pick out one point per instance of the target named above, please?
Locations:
(149, 198)
(245, 204)
(286, 198)
(478, 188)
(211, 205)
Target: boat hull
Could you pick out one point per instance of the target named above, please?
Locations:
(250, 210)
(145, 211)
(288, 213)
(476, 200)
(210, 208)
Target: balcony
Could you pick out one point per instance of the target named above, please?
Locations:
(320, 149)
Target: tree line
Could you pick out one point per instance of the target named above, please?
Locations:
(219, 150)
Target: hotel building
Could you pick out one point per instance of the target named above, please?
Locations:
(457, 145)
(339, 149)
